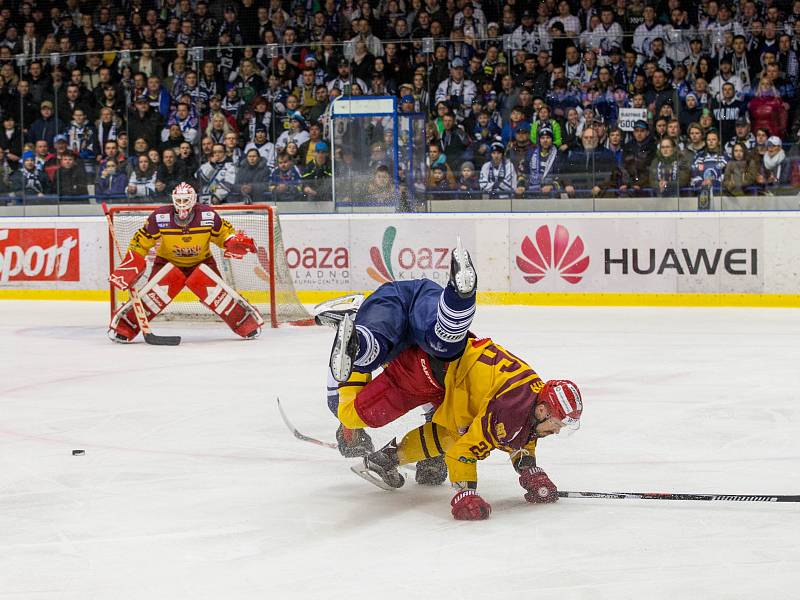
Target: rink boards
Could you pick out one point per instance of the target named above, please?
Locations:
(679, 259)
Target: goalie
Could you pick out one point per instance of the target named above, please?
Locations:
(183, 259)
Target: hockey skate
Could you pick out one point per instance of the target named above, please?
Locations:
(380, 468)
(431, 471)
(462, 272)
(331, 312)
(353, 443)
(345, 349)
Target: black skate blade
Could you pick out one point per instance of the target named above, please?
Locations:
(371, 477)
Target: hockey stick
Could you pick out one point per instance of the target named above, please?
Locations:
(138, 308)
(671, 496)
(300, 436)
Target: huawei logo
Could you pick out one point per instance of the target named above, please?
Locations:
(552, 253)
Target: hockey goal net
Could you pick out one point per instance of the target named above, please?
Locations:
(263, 279)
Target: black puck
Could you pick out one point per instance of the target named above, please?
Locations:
(78, 452)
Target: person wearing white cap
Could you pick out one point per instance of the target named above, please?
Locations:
(498, 175)
(457, 91)
(776, 168)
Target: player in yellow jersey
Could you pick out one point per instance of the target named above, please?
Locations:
(185, 231)
(486, 399)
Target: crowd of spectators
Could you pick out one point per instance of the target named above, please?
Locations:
(128, 98)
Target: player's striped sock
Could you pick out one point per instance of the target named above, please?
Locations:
(371, 351)
(453, 318)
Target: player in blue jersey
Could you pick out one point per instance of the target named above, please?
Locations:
(396, 316)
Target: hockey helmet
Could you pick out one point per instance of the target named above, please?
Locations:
(183, 199)
(564, 401)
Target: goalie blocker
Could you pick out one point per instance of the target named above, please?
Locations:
(205, 282)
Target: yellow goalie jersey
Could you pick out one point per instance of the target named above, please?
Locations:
(489, 401)
(183, 246)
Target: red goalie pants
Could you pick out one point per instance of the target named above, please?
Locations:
(159, 262)
(406, 383)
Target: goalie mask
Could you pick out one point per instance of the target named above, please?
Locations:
(563, 399)
(184, 199)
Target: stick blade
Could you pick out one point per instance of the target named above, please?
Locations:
(162, 340)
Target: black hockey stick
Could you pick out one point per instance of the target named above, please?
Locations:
(138, 308)
(307, 438)
(301, 436)
(671, 496)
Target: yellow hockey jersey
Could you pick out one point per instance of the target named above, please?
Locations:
(183, 246)
(489, 401)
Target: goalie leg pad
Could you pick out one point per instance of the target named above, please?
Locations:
(156, 294)
(226, 302)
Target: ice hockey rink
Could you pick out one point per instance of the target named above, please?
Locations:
(192, 487)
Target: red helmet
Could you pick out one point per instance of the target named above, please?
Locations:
(564, 400)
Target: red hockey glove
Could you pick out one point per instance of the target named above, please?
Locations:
(128, 271)
(540, 490)
(238, 245)
(468, 506)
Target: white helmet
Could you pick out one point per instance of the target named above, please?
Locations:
(183, 199)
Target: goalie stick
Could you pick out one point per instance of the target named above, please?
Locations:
(672, 496)
(138, 308)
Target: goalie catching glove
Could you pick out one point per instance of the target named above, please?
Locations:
(128, 271)
(539, 488)
(238, 245)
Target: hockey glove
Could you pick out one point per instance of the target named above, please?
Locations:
(238, 245)
(540, 490)
(128, 271)
(468, 506)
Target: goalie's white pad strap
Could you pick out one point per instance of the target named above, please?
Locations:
(157, 293)
(215, 293)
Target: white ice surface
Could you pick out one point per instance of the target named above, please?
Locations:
(191, 486)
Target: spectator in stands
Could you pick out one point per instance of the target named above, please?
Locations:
(296, 133)
(518, 152)
(743, 136)
(708, 167)
(498, 177)
(776, 167)
(669, 172)
(216, 177)
(265, 148)
(545, 165)
(70, 178)
(285, 181)
(439, 184)
(142, 179)
(47, 126)
(29, 180)
(453, 141)
(252, 178)
(589, 167)
(143, 122)
(381, 189)
(767, 109)
(637, 156)
(317, 174)
(111, 182)
(169, 174)
(467, 182)
(81, 137)
(741, 171)
(11, 139)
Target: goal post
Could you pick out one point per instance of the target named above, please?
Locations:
(263, 278)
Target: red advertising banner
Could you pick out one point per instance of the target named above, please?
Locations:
(46, 254)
